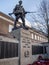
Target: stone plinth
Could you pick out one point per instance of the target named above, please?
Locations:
(25, 52)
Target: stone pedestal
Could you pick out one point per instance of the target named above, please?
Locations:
(24, 52)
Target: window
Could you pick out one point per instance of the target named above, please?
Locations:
(32, 36)
(37, 50)
(38, 37)
(10, 28)
(35, 37)
(42, 39)
(8, 50)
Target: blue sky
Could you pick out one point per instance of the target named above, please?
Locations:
(7, 6)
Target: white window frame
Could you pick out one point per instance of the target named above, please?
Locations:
(35, 37)
(10, 27)
(32, 35)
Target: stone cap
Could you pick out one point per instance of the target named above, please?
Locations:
(8, 39)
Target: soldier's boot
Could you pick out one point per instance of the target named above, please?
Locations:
(23, 24)
(23, 20)
(15, 27)
(25, 27)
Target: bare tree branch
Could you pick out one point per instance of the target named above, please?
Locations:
(44, 12)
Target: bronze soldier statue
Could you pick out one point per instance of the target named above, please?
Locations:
(19, 12)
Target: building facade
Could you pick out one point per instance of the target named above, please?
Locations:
(6, 25)
(29, 43)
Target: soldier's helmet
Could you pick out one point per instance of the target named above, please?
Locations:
(20, 2)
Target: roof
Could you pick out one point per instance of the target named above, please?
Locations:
(6, 16)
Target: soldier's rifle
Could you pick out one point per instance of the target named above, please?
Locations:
(24, 13)
(29, 12)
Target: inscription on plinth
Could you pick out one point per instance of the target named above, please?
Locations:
(25, 47)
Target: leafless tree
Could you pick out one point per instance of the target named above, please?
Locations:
(43, 15)
(44, 12)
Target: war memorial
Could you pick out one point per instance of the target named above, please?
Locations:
(23, 45)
